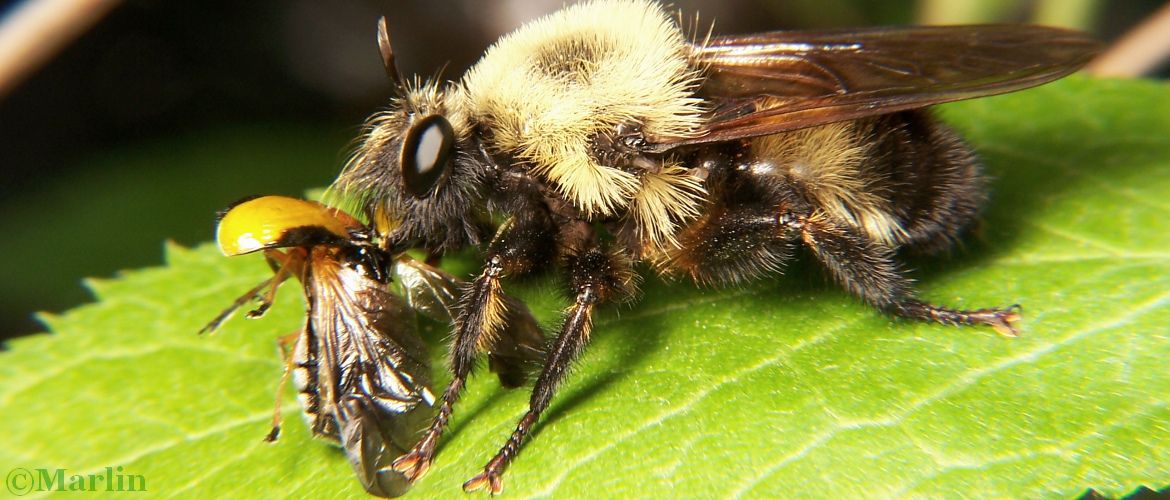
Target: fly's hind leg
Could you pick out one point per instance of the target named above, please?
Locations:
(1002, 319)
(868, 270)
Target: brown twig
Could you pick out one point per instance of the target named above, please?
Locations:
(1140, 51)
(36, 30)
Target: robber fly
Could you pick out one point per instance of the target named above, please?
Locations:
(604, 135)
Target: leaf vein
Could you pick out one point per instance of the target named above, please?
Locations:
(691, 402)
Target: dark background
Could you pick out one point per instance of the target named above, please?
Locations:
(164, 112)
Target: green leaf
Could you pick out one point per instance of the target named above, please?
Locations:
(786, 387)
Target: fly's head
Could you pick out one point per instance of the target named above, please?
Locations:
(416, 172)
(416, 169)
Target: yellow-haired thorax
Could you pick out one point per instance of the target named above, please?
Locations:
(828, 162)
(547, 90)
(666, 200)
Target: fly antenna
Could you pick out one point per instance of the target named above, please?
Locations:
(388, 55)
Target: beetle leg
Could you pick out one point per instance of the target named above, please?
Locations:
(282, 265)
(282, 272)
(247, 297)
(285, 343)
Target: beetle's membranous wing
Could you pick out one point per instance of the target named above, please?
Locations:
(436, 294)
(765, 83)
(371, 370)
(427, 290)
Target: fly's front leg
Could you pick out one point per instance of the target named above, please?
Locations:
(595, 277)
(869, 271)
(479, 322)
(520, 247)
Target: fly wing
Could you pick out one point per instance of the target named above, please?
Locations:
(373, 369)
(435, 293)
(766, 83)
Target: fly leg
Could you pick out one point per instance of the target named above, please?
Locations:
(868, 270)
(595, 277)
(484, 315)
(478, 323)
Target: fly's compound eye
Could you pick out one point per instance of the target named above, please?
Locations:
(426, 154)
